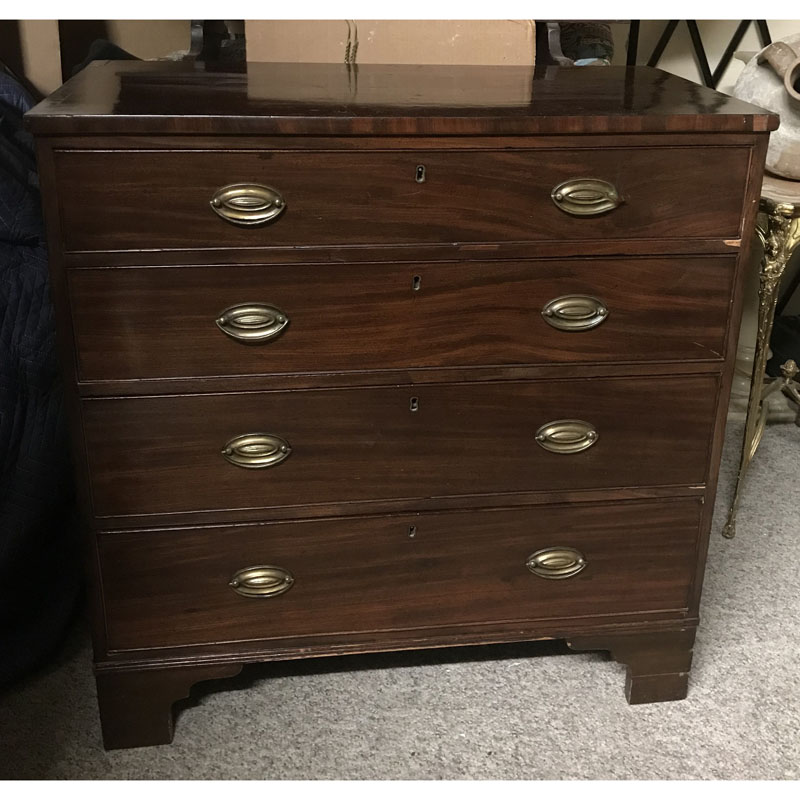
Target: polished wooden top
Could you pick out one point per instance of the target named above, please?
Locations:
(148, 97)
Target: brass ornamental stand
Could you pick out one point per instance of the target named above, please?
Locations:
(779, 230)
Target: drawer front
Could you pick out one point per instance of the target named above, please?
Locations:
(172, 588)
(160, 455)
(162, 322)
(160, 199)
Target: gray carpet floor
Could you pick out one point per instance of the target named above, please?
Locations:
(532, 711)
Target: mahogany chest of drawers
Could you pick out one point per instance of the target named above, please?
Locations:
(372, 358)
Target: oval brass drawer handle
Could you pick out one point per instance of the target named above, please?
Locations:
(566, 436)
(248, 203)
(556, 563)
(575, 312)
(586, 197)
(256, 450)
(262, 581)
(252, 323)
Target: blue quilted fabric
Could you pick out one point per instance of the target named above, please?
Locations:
(38, 573)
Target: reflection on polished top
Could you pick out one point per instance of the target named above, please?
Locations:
(259, 98)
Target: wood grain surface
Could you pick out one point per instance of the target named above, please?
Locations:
(262, 99)
(396, 573)
(162, 455)
(152, 323)
(145, 200)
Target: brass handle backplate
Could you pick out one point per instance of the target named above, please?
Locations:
(262, 581)
(586, 197)
(256, 450)
(248, 203)
(252, 323)
(566, 436)
(556, 563)
(575, 312)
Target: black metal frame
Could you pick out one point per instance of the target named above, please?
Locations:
(710, 78)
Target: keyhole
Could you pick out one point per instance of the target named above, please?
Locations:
(420, 176)
(413, 404)
(412, 531)
(416, 282)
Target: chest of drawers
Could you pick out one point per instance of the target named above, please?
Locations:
(373, 358)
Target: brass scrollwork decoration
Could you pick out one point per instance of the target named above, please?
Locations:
(779, 232)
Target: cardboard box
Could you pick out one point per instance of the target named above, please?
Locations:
(392, 41)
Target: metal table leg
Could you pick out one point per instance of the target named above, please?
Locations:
(780, 236)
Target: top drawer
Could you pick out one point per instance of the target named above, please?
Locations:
(140, 199)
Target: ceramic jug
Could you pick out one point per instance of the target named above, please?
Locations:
(771, 79)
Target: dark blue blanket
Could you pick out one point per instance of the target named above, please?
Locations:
(38, 572)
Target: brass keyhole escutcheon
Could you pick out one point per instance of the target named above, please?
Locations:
(419, 175)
